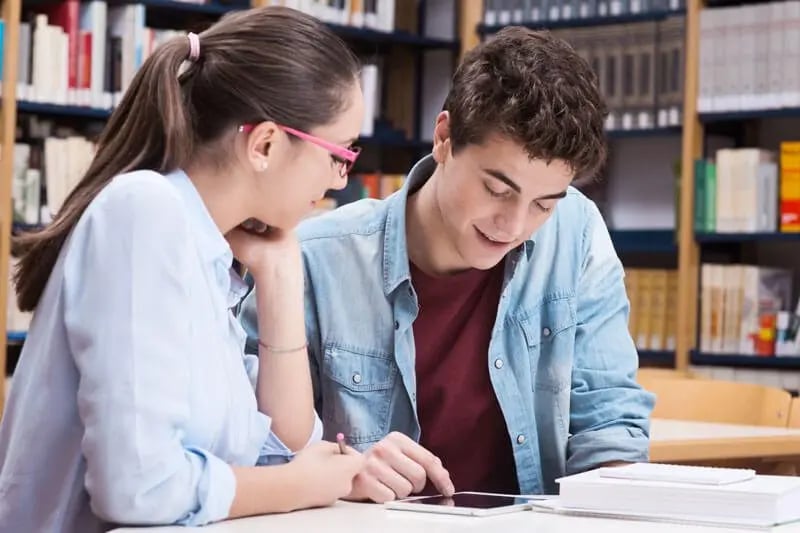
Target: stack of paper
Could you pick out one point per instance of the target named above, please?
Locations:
(681, 493)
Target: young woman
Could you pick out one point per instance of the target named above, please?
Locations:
(133, 402)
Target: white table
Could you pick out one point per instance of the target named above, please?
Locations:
(671, 440)
(347, 517)
(685, 441)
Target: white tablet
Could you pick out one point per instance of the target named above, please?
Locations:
(464, 503)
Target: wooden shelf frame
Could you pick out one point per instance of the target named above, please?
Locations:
(11, 12)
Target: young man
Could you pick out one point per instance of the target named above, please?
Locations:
(470, 332)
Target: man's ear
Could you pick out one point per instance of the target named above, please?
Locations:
(441, 137)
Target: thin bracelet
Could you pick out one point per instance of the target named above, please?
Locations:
(275, 349)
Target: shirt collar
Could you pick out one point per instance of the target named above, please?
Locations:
(395, 250)
(212, 244)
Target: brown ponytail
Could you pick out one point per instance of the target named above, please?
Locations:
(269, 63)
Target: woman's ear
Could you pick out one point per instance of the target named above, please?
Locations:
(261, 145)
(441, 137)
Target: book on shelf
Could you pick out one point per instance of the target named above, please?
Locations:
(16, 320)
(748, 190)
(504, 12)
(380, 185)
(375, 185)
(652, 295)
(373, 14)
(740, 306)
(639, 68)
(790, 187)
(747, 57)
(48, 163)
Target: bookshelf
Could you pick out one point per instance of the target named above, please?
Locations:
(404, 53)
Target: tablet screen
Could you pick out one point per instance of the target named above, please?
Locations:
(471, 501)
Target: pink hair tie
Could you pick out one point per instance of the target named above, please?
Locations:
(194, 46)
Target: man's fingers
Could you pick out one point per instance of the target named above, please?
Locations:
(388, 476)
(434, 470)
(391, 454)
(371, 488)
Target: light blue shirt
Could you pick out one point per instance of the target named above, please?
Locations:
(561, 361)
(133, 396)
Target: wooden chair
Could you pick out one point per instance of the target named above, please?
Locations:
(709, 400)
(794, 413)
(650, 373)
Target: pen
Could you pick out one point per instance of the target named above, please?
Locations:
(340, 442)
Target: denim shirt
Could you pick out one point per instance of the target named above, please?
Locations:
(561, 361)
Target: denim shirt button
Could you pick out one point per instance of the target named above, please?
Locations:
(356, 378)
(546, 332)
(396, 324)
(498, 364)
(521, 439)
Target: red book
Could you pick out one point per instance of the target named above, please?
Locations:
(67, 15)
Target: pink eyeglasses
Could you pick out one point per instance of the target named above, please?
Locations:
(344, 157)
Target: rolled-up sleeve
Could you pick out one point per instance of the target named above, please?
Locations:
(610, 412)
(128, 330)
(274, 451)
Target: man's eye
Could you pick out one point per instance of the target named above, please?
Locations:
(495, 193)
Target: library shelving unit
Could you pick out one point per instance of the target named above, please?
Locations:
(741, 125)
(397, 133)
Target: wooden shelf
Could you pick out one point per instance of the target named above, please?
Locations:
(367, 35)
(59, 110)
(744, 361)
(657, 357)
(644, 240)
(485, 29)
(666, 131)
(207, 8)
(382, 139)
(756, 114)
(705, 238)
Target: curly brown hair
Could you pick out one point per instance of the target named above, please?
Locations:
(533, 88)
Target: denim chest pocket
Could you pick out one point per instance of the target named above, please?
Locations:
(549, 332)
(357, 389)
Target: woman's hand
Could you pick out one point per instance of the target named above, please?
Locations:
(283, 390)
(326, 474)
(264, 250)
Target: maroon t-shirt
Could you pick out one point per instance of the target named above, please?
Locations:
(458, 411)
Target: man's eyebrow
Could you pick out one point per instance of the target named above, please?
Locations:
(499, 175)
(554, 196)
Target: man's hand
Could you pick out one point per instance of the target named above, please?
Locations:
(397, 467)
